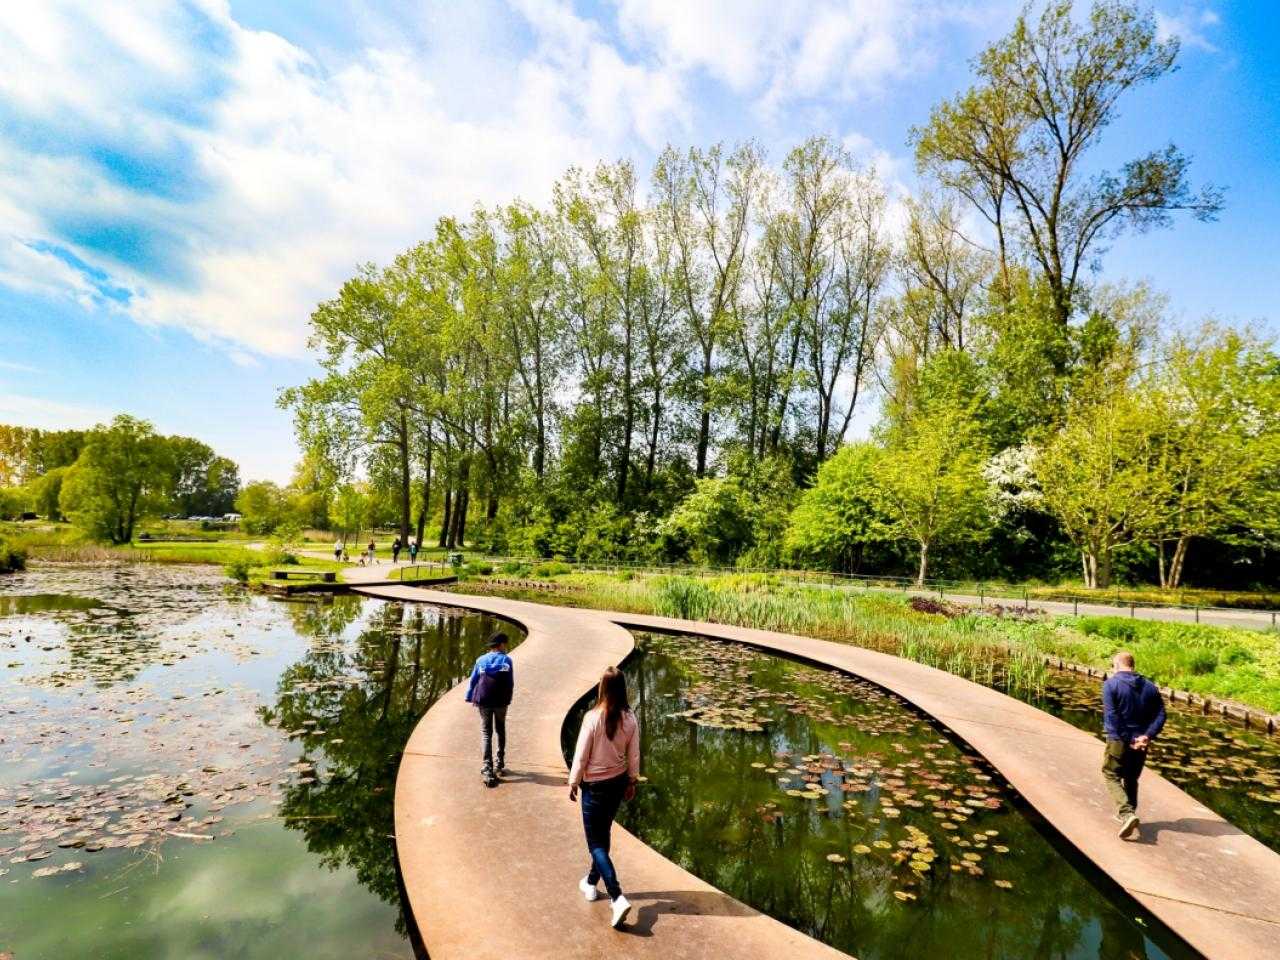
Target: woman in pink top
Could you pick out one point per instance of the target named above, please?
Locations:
(606, 765)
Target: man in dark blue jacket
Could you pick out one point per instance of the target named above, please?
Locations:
(1132, 716)
(490, 688)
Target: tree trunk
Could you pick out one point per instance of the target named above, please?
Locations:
(628, 418)
(425, 509)
(1103, 574)
(464, 497)
(446, 520)
(924, 563)
(406, 478)
(1164, 576)
(704, 425)
(652, 460)
(1179, 560)
(1090, 564)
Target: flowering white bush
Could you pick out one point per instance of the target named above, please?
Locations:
(1011, 480)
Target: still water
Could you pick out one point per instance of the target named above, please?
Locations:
(191, 771)
(840, 810)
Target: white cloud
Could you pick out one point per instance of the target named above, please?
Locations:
(779, 53)
(258, 179)
(1190, 26)
(304, 174)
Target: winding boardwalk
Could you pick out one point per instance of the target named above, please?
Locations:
(493, 873)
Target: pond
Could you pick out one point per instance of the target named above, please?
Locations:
(835, 807)
(193, 771)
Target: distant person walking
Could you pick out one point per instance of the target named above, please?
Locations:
(337, 550)
(606, 765)
(372, 551)
(491, 687)
(1132, 716)
(413, 551)
(396, 547)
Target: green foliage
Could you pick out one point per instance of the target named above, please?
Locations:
(240, 566)
(263, 507)
(842, 513)
(123, 474)
(553, 568)
(11, 557)
(46, 493)
(14, 501)
(931, 478)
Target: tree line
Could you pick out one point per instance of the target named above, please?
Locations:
(106, 479)
(671, 366)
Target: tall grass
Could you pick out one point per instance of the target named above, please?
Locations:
(970, 646)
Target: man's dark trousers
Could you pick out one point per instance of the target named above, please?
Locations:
(1121, 767)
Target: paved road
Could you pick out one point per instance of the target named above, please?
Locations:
(1248, 619)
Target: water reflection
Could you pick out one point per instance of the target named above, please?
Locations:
(142, 793)
(849, 816)
(353, 704)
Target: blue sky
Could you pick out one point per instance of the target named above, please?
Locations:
(180, 183)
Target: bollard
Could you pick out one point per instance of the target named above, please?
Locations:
(1075, 606)
(1026, 600)
(1197, 613)
(981, 593)
(1133, 610)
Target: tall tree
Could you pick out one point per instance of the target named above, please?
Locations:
(1018, 143)
(123, 474)
(707, 201)
(1217, 399)
(1100, 477)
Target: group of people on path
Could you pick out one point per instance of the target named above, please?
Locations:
(370, 553)
(606, 759)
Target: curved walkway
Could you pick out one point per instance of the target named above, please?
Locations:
(493, 873)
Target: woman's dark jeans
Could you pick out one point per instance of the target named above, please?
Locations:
(600, 802)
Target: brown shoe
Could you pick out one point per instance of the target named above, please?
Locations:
(1129, 825)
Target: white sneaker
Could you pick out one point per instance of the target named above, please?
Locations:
(588, 889)
(621, 907)
(1129, 825)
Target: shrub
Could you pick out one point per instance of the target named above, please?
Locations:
(238, 568)
(1113, 628)
(553, 568)
(1202, 661)
(11, 558)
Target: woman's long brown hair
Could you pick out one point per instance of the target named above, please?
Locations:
(611, 696)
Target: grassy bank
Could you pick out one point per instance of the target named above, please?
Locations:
(995, 646)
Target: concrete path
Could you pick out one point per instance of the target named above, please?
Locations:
(469, 854)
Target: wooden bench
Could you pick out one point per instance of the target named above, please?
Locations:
(325, 576)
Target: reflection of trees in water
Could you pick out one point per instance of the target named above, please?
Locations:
(324, 617)
(702, 808)
(368, 693)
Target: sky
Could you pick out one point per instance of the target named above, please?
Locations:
(182, 182)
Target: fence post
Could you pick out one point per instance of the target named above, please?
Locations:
(1133, 609)
(1075, 606)
(982, 589)
(1197, 613)
(1026, 599)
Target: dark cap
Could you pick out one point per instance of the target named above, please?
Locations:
(498, 639)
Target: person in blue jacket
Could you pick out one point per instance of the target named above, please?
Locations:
(1132, 716)
(490, 688)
